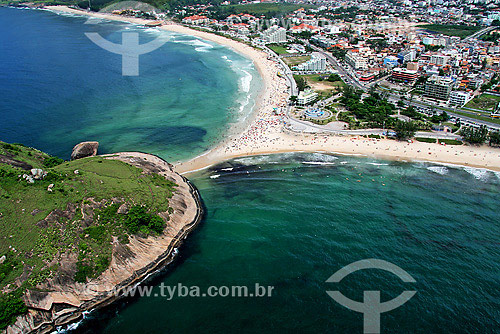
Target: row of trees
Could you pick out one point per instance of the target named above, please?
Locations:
(480, 135)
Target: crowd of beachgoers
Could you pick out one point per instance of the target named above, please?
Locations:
(267, 131)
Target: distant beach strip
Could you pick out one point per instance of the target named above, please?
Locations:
(266, 131)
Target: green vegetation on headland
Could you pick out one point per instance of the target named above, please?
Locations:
(52, 210)
(461, 31)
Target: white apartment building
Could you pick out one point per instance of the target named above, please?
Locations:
(439, 60)
(317, 63)
(356, 61)
(306, 97)
(274, 34)
(459, 98)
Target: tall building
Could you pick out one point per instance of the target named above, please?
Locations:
(412, 66)
(439, 60)
(391, 61)
(438, 87)
(315, 64)
(459, 98)
(356, 61)
(404, 75)
(274, 34)
(406, 56)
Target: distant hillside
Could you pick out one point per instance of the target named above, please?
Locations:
(96, 5)
(62, 223)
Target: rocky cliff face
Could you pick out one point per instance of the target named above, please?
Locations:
(60, 301)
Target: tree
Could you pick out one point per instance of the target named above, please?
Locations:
(293, 98)
(410, 112)
(494, 138)
(301, 82)
(334, 77)
(474, 135)
(405, 130)
(11, 305)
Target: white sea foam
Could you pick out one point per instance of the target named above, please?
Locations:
(438, 169)
(214, 176)
(377, 164)
(245, 81)
(72, 326)
(317, 163)
(227, 169)
(478, 173)
(199, 45)
(153, 30)
(259, 159)
(322, 157)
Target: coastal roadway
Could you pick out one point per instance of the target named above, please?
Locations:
(450, 111)
(287, 72)
(479, 33)
(308, 127)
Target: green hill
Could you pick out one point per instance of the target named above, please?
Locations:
(52, 209)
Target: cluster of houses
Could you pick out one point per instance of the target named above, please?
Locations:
(380, 39)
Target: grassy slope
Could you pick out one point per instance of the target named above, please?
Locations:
(279, 49)
(485, 102)
(313, 79)
(39, 246)
(292, 61)
(451, 29)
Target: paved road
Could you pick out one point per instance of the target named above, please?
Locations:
(307, 127)
(450, 112)
(352, 80)
(479, 33)
(285, 70)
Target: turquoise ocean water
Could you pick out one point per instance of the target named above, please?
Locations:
(288, 221)
(292, 220)
(58, 88)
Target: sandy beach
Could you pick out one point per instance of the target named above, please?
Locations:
(266, 133)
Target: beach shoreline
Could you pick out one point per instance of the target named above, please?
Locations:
(267, 133)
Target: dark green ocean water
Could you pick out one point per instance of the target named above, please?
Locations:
(291, 221)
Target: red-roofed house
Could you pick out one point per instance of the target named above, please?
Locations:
(195, 19)
(304, 27)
